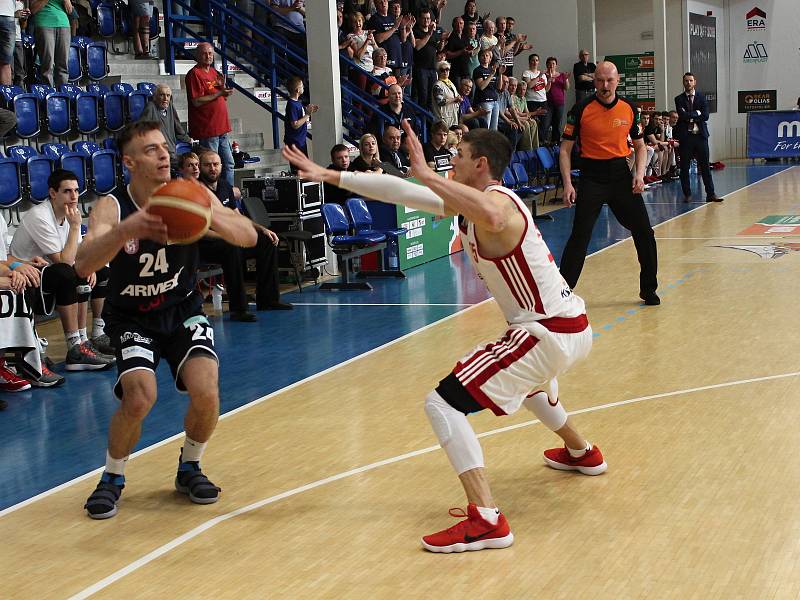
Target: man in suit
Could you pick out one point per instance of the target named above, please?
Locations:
(691, 131)
(392, 153)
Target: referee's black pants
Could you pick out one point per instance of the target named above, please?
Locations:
(610, 183)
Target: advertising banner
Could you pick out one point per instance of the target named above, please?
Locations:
(753, 100)
(773, 134)
(703, 56)
(636, 78)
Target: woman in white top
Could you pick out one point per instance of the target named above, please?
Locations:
(363, 45)
(538, 86)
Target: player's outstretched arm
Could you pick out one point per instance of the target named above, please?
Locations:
(386, 188)
(488, 211)
(106, 235)
(231, 226)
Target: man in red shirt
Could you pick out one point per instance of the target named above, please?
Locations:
(208, 108)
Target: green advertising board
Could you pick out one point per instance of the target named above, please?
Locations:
(427, 236)
(637, 79)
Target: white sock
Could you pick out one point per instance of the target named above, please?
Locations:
(489, 514)
(98, 327)
(579, 453)
(192, 451)
(82, 333)
(115, 465)
(73, 338)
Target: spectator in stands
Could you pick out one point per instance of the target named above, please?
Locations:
(655, 149)
(472, 41)
(53, 35)
(529, 140)
(8, 30)
(583, 72)
(467, 114)
(446, 99)
(385, 74)
(489, 41)
(345, 47)
(457, 52)
(508, 45)
(669, 130)
(436, 153)
(17, 332)
(48, 237)
(538, 86)
(407, 41)
(427, 43)
(140, 11)
(215, 249)
(459, 131)
(340, 161)
(208, 107)
(386, 30)
(369, 158)
(556, 98)
(362, 43)
(471, 14)
(488, 83)
(392, 153)
(189, 165)
(293, 11)
(297, 116)
(21, 15)
(8, 120)
(161, 110)
(394, 113)
(520, 38)
(509, 123)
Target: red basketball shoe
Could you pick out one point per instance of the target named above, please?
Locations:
(591, 463)
(10, 381)
(474, 533)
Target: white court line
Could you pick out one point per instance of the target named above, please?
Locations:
(189, 535)
(99, 470)
(334, 305)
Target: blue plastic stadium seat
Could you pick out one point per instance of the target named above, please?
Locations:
(39, 169)
(96, 61)
(137, 100)
(182, 148)
(104, 171)
(75, 162)
(8, 92)
(21, 153)
(146, 86)
(10, 183)
(59, 114)
(347, 245)
(98, 89)
(114, 110)
(53, 150)
(85, 148)
(125, 88)
(87, 109)
(26, 109)
(106, 19)
(521, 176)
(41, 91)
(74, 66)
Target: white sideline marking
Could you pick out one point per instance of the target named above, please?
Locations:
(189, 535)
(337, 304)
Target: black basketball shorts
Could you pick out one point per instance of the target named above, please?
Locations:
(139, 347)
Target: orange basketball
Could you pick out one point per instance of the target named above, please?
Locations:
(185, 207)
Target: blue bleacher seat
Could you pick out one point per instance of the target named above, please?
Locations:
(96, 61)
(509, 180)
(106, 20)
(125, 88)
(114, 110)
(550, 170)
(40, 90)
(98, 89)
(146, 86)
(8, 92)
(39, 169)
(347, 245)
(59, 114)
(521, 175)
(86, 148)
(182, 148)
(137, 100)
(75, 162)
(53, 150)
(70, 89)
(110, 144)
(87, 113)
(26, 109)
(362, 224)
(104, 171)
(74, 63)
(10, 183)
(21, 153)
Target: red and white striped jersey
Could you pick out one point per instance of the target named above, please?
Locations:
(526, 283)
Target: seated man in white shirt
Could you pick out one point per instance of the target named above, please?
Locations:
(52, 231)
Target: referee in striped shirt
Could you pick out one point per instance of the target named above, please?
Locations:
(601, 124)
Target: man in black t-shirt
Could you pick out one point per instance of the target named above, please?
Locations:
(385, 27)
(230, 258)
(427, 43)
(436, 153)
(340, 161)
(395, 110)
(582, 72)
(457, 52)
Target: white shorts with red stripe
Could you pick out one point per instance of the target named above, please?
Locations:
(527, 359)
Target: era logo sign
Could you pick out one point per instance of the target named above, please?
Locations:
(756, 19)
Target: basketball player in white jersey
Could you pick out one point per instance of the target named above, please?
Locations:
(547, 326)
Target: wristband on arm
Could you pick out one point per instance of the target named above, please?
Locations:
(14, 265)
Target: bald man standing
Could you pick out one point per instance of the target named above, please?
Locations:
(602, 123)
(161, 110)
(208, 107)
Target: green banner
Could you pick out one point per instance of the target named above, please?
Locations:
(637, 79)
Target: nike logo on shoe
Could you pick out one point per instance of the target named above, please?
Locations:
(474, 538)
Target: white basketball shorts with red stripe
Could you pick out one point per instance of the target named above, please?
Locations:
(528, 358)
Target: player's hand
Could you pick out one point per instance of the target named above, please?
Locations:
(17, 282)
(271, 235)
(307, 168)
(143, 225)
(638, 184)
(312, 108)
(73, 216)
(38, 261)
(29, 274)
(92, 280)
(569, 195)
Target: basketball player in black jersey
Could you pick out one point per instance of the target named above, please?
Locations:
(153, 310)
